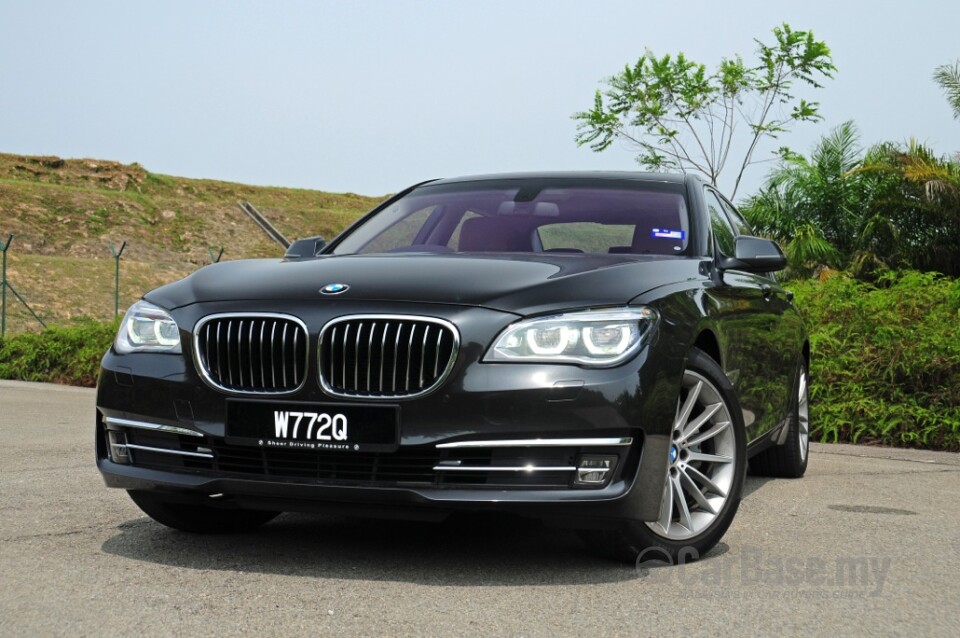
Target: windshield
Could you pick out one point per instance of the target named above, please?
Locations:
(639, 218)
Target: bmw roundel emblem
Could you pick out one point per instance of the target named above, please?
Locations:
(334, 289)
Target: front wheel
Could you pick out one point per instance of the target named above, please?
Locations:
(704, 477)
(197, 518)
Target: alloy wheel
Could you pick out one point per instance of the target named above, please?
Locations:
(702, 461)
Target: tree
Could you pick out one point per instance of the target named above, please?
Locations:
(914, 208)
(814, 206)
(948, 77)
(891, 207)
(681, 117)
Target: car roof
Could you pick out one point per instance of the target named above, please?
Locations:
(670, 178)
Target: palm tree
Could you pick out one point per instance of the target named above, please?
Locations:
(895, 206)
(814, 205)
(948, 77)
(915, 207)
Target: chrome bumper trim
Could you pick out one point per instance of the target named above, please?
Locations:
(143, 425)
(161, 450)
(613, 441)
(501, 468)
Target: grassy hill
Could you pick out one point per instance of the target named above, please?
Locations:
(64, 213)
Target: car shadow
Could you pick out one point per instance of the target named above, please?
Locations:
(488, 550)
(754, 483)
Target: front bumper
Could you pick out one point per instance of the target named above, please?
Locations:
(166, 428)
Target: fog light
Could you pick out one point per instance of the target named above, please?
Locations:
(594, 470)
(117, 447)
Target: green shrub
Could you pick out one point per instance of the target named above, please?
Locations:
(885, 365)
(59, 355)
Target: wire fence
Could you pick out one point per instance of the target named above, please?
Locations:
(37, 291)
(5, 286)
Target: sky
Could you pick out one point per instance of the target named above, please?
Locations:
(370, 96)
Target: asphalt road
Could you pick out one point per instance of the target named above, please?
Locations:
(866, 544)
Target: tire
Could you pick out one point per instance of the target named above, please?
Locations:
(197, 518)
(701, 491)
(790, 459)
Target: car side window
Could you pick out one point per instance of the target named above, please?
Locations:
(720, 225)
(741, 226)
(739, 223)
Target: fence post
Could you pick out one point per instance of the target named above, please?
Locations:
(3, 287)
(116, 277)
(216, 259)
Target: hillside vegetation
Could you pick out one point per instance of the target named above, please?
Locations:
(64, 214)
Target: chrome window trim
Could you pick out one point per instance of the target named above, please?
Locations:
(198, 361)
(612, 441)
(155, 427)
(454, 354)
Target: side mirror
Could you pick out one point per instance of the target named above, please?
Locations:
(754, 254)
(305, 248)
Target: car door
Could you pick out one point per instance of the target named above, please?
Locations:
(756, 339)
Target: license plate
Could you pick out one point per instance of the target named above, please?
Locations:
(313, 426)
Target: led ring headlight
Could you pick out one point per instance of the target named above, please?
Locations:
(599, 338)
(147, 328)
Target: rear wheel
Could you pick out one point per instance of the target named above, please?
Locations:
(704, 478)
(197, 518)
(790, 459)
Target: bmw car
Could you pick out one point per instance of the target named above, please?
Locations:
(608, 352)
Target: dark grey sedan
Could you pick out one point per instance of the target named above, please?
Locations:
(602, 350)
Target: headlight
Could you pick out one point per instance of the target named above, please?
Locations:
(146, 328)
(593, 338)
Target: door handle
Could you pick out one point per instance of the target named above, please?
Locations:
(767, 291)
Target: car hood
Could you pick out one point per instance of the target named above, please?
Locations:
(521, 284)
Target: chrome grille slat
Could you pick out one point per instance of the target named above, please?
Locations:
(383, 346)
(229, 350)
(238, 354)
(409, 354)
(207, 349)
(423, 353)
(219, 353)
(343, 353)
(295, 333)
(373, 329)
(263, 379)
(283, 354)
(333, 339)
(273, 366)
(253, 383)
(405, 355)
(396, 356)
(356, 359)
